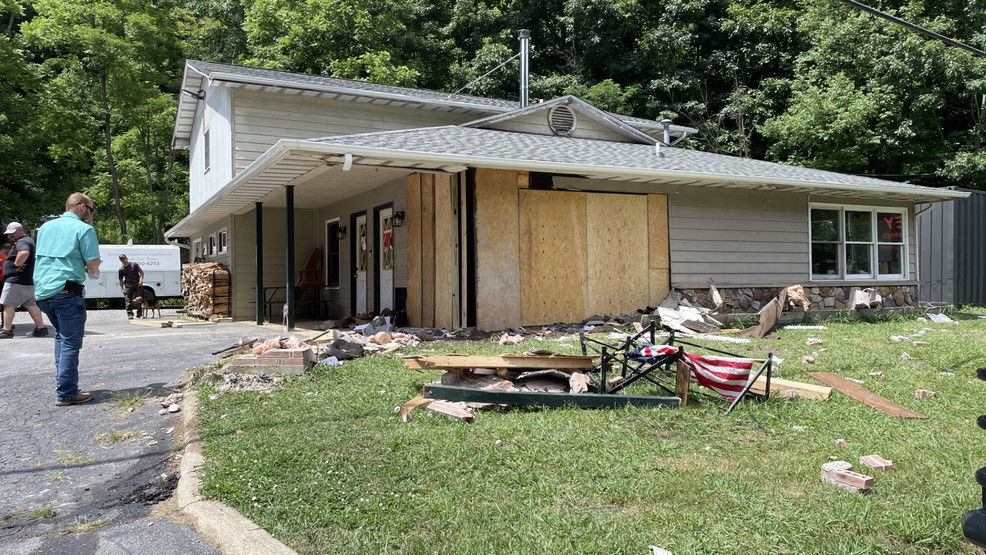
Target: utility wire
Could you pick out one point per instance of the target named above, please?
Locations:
(470, 83)
(913, 27)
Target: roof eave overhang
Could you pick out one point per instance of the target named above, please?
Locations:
(319, 151)
(181, 139)
(221, 77)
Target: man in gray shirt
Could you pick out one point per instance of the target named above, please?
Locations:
(18, 285)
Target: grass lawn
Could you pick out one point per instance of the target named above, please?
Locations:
(326, 466)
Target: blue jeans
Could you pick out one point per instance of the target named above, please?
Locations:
(67, 313)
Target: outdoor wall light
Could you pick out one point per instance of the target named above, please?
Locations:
(341, 233)
(399, 218)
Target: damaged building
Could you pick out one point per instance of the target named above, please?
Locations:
(342, 197)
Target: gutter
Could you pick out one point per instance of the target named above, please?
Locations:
(234, 78)
(561, 167)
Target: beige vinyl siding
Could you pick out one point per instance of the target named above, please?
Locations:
(244, 256)
(392, 192)
(261, 118)
(537, 123)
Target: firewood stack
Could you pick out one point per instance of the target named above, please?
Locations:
(206, 287)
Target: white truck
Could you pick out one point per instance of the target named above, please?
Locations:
(161, 265)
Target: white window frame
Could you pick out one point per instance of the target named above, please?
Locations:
(325, 268)
(222, 241)
(206, 151)
(874, 252)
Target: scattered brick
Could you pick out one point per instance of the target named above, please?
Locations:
(876, 462)
(924, 394)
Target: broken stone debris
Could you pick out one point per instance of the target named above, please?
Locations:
(507, 339)
(813, 341)
(876, 462)
(924, 394)
(840, 474)
(865, 298)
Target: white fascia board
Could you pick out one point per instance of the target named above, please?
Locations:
(182, 142)
(561, 167)
(234, 78)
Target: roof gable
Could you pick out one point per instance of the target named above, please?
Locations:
(590, 122)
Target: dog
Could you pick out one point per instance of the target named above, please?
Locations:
(147, 306)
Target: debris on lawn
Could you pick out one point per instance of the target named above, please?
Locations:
(864, 396)
(507, 339)
(940, 318)
(919, 343)
(840, 442)
(905, 356)
(813, 341)
(865, 298)
(876, 374)
(245, 382)
(172, 399)
(924, 394)
(899, 338)
(174, 408)
(839, 473)
(453, 410)
(810, 359)
(876, 462)
(804, 327)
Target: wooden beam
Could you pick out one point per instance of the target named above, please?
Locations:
(527, 362)
(864, 396)
(530, 398)
(682, 378)
(803, 390)
(414, 228)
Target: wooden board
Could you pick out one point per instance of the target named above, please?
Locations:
(553, 257)
(530, 398)
(445, 254)
(802, 389)
(497, 262)
(858, 393)
(617, 275)
(427, 250)
(409, 407)
(527, 362)
(658, 249)
(413, 226)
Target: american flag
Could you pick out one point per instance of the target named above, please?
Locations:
(727, 376)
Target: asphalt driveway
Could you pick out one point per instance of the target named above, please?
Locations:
(68, 475)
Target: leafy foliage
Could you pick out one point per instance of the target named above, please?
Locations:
(88, 88)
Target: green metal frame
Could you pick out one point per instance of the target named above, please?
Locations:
(538, 398)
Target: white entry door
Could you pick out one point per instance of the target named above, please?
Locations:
(385, 254)
(362, 258)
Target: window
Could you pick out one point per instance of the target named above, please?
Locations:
(332, 241)
(206, 154)
(223, 241)
(211, 250)
(857, 242)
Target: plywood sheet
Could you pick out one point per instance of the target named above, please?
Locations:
(859, 393)
(427, 250)
(657, 231)
(617, 275)
(497, 260)
(413, 227)
(553, 256)
(444, 253)
(659, 285)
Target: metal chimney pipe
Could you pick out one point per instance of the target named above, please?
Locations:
(667, 131)
(525, 48)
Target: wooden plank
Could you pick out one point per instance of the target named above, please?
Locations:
(801, 389)
(657, 232)
(682, 378)
(408, 407)
(413, 225)
(497, 255)
(618, 279)
(553, 257)
(659, 285)
(445, 254)
(864, 396)
(528, 362)
(427, 250)
(529, 398)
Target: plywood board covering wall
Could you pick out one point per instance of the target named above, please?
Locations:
(445, 255)
(497, 249)
(553, 256)
(427, 250)
(413, 223)
(658, 249)
(618, 277)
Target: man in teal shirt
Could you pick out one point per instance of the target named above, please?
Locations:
(67, 250)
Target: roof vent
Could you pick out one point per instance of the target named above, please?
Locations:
(561, 120)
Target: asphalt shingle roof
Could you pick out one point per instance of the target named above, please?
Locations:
(303, 79)
(505, 145)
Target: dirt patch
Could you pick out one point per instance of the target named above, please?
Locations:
(155, 491)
